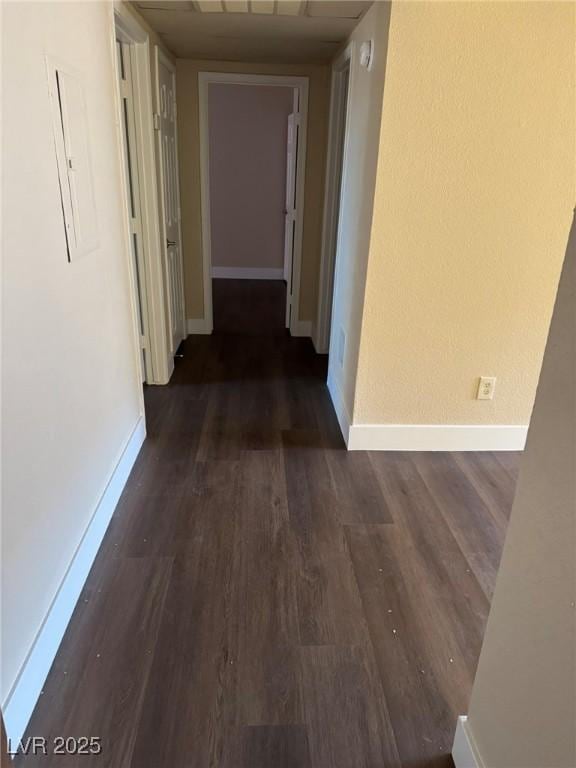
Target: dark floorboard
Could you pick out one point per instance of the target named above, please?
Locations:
(264, 599)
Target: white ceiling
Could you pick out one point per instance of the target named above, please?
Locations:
(287, 31)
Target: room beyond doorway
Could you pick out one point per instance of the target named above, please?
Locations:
(252, 149)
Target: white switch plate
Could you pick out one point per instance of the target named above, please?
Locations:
(486, 387)
(341, 347)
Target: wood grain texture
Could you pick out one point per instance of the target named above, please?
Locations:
(264, 599)
(280, 746)
(346, 712)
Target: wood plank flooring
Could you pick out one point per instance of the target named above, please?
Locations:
(264, 599)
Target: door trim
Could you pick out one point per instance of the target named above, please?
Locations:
(301, 84)
(336, 126)
(134, 201)
(133, 33)
(160, 57)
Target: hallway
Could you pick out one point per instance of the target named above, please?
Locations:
(264, 599)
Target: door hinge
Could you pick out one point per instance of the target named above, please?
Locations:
(156, 118)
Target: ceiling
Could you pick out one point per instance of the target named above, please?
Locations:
(286, 31)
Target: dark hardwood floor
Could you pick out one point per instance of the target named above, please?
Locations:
(264, 599)
(264, 300)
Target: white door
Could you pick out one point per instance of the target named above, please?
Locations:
(290, 210)
(124, 58)
(168, 154)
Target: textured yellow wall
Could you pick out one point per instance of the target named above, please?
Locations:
(189, 159)
(474, 193)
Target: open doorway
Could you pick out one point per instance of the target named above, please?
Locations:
(171, 234)
(127, 90)
(147, 127)
(335, 171)
(253, 146)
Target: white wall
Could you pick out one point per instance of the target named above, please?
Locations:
(357, 199)
(523, 707)
(71, 398)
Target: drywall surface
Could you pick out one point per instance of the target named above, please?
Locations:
(475, 188)
(70, 391)
(189, 159)
(357, 200)
(247, 144)
(523, 707)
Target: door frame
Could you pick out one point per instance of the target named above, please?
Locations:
(338, 128)
(161, 57)
(134, 202)
(299, 84)
(133, 33)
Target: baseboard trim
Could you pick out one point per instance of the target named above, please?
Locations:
(340, 407)
(464, 751)
(22, 699)
(301, 328)
(248, 273)
(436, 437)
(317, 346)
(316, 341)
(197, 325)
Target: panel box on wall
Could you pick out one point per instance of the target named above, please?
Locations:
(72, 146)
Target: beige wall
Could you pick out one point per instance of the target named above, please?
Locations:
(188, 142)
(357, 202)
(70, 391)
(473, 201)
(248, 139)
(523, 707)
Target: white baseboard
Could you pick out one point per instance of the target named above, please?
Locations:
(22, 699)
(197, 325)
(436, 437)
(302, 328)
(316, 343)
(318, 348)
(464, 751)
(340, 407)
(248, 273)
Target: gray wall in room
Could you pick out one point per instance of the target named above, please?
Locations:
(248, 131)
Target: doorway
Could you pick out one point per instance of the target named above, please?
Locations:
(252, 152)
(335, 173)
(124, 62)
(141, 132)
(171, 235)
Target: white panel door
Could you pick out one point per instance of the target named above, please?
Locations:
(125, 78)
(168, 154)
(290, 209)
